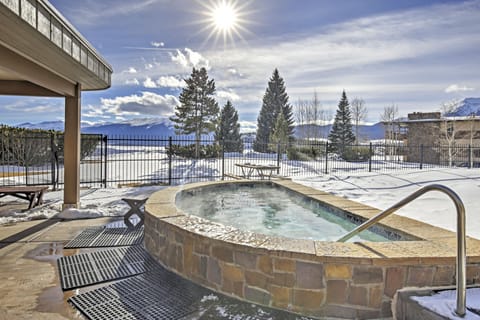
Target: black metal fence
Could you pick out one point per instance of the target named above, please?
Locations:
(114, 161)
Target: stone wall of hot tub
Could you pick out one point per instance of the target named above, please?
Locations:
(349, 280)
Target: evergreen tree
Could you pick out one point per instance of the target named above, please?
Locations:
(279, 135)
(275, 101)
(341, 134)
(198, 110)
(228, 129)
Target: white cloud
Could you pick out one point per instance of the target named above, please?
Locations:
(157, 44)
(170, 82)
(91, 111)
(132, 82)
(248, 126)
(164, 82)
(146, 103)
(456, 88)
(234, 72)
(149, 83)
(148, 66)
(228, 95)
(190, 59)
(36, 105)
(131, 70)
(43, 108)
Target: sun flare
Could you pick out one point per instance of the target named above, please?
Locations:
(225, 19)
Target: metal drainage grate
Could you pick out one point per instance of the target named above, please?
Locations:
(158, 294)
(96, 237)
(85, 238)
(101, 266)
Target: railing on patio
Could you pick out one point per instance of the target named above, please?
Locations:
(114, 160)
(43, 17)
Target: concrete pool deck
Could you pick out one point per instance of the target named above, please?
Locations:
(318, 278)
(30, 284)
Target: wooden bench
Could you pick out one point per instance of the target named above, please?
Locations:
(34, 195)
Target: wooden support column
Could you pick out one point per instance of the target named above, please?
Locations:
(71, 193)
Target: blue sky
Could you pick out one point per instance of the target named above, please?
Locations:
(415, 54)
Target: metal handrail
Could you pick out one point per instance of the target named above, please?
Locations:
(461, 237)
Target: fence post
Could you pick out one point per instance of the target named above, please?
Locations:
(52, 158)
(326, 158)
(25, 160)
(421, 157)
(170, 154)
(370, 158)
(278, 157)
(470, 156)
(223, 158)
(105, 164)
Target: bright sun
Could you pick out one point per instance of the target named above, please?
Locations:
(224, 19)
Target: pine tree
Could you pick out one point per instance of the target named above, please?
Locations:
(275, 100)
(279, 136)
(341, 134)
(228, 129)
(198, 110)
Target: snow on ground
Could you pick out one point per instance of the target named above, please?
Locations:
(94, 203)
(382, 190)
(444, 302)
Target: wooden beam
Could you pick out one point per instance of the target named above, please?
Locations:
(29, 71)
(71, 143)
(24, 88)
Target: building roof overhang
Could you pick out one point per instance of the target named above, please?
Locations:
(42, 54)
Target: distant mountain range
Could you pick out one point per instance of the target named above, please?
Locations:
(164, 128)
(135, 127)
(467, 107)
(366, 132)
(45, 125)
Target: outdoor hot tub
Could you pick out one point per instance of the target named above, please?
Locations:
(304, 274)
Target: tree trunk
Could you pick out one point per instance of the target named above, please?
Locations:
(450, 154)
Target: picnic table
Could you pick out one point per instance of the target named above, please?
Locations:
(34, 195)
(264, 171)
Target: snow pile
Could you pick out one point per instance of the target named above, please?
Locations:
(444, 302)
(94, 203)
(382, 190)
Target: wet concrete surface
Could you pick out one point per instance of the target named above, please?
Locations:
(30, 285)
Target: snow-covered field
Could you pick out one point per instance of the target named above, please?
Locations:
(380, 190)
(137, 163)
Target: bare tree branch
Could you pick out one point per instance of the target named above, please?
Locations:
(359, 114)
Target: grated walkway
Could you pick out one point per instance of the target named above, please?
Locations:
(100, 266)
(140, 288)
(153, 295)
(107, 237)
